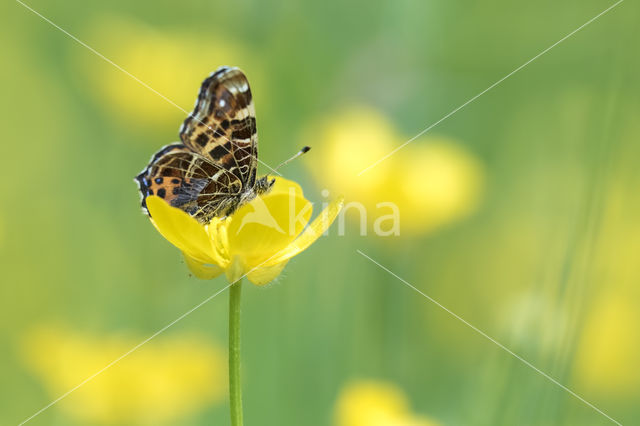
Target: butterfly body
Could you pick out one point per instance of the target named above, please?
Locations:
(212, 171)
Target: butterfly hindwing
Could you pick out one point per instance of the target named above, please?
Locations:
(222, 126)
(189, 181)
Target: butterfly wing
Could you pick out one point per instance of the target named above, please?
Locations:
(222, 126)
(189, 181)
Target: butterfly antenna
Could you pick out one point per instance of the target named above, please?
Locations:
(304, 150)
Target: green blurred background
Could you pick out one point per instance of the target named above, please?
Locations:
(540, 249)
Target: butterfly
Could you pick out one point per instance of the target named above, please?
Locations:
(212, 171)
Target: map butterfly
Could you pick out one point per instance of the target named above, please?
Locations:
(212, 171)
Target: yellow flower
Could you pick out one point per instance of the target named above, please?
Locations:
(370, 403)
(348, 143)
(433, 181)
(441, 183)
(174, 63)
(257, 240)
(610, 348)
(162, 382)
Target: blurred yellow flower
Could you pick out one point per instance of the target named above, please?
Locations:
(441, 183)
(433, 181)
(370, 403)
(608, 354)
(346, 144)
(257, 240)
(164, 380)
(171, 62)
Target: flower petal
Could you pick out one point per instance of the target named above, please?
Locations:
(310, 234)
(217, 231)
(202, 270)
(181, 230)
(263, 275)
(268, 224)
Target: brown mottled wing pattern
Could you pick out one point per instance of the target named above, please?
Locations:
(222, 126)
(188, 180)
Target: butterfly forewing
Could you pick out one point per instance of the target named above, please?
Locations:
(222, 126)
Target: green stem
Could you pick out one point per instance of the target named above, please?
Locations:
(235, 385)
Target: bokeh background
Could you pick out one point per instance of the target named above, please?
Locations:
(520, 213)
